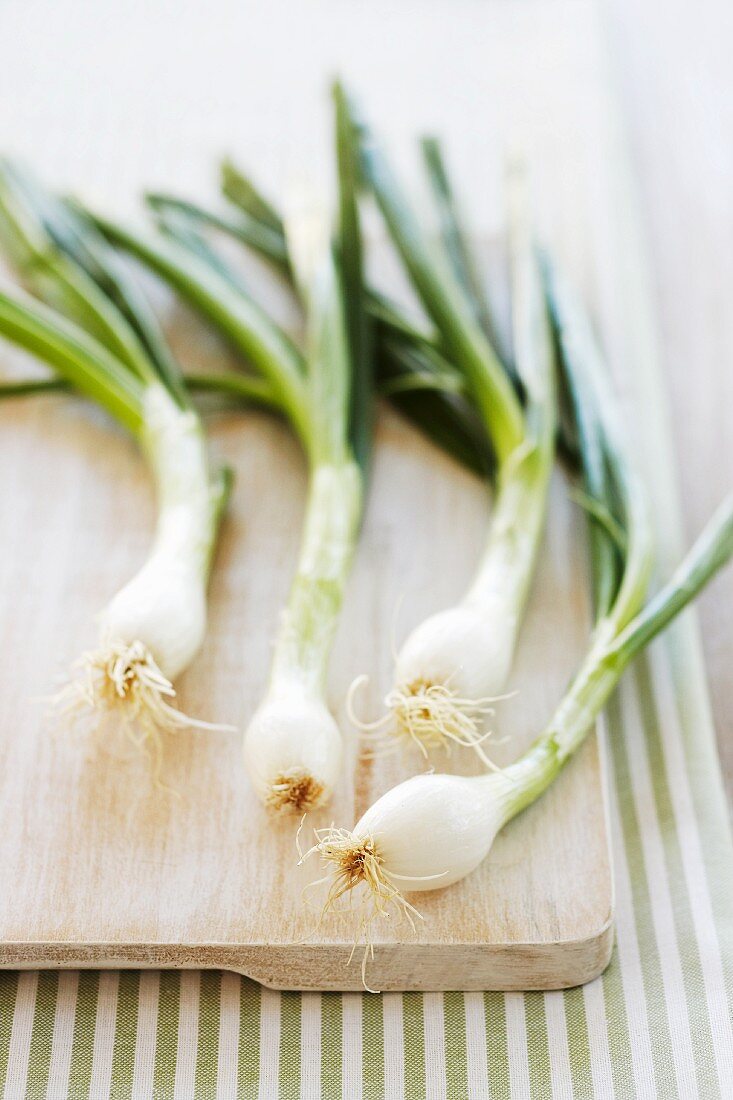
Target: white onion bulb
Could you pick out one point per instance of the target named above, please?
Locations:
(155, 625)
(464, 816)
(424, 834)
(292, 750)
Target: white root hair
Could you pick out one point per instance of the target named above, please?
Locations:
(122, 682)
(355, 869)
(295, 792)
(429, 716)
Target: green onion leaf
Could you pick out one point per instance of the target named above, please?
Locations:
(444, 300)
(76, 355)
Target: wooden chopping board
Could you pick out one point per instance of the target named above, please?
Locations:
(98, 866)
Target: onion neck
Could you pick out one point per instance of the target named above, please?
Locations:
(190, 504)
(310, 618)
(502, 582)
(575, 716)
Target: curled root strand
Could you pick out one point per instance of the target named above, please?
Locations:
(364, 728)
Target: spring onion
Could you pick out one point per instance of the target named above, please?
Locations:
(101, 338)
(455, 663)
(293, 747)
(433, 830)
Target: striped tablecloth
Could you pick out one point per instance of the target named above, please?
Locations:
(657, 1024)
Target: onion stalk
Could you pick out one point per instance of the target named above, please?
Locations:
(411, 368)
(293, 747)
(434, 829)
(101, 338)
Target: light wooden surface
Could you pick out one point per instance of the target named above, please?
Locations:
(673, 72)
(92, 854)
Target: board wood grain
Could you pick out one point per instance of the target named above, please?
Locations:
(98, 865)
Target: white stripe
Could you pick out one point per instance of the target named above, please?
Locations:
(228, 1056)
(693, 863)
(561, 1080)
(269, 1043)
(351, 1063)
(434, 1032)
(477, 1069)
(661, 901)
(310, 1046)
(516, 1041)
(104, 1033)
(146, 1035)
(629, 960)
(20, 1036)
(394, 1046)
(600, 1056)
(188, 1035)
(63, 1035)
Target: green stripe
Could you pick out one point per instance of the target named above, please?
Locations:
(289, 1068)
(123, 1058)
(651, 968)
(456, 1057)
(372, 1056)
(82, 1045)
(413, 1031)
(332, 1045)
(496, 1046)
(8, 992)
(538, 1053)
(578, 1047)
(619, 1040)
(694, 981)
(39, 1057)
(166, 1042)
(207, 1052)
